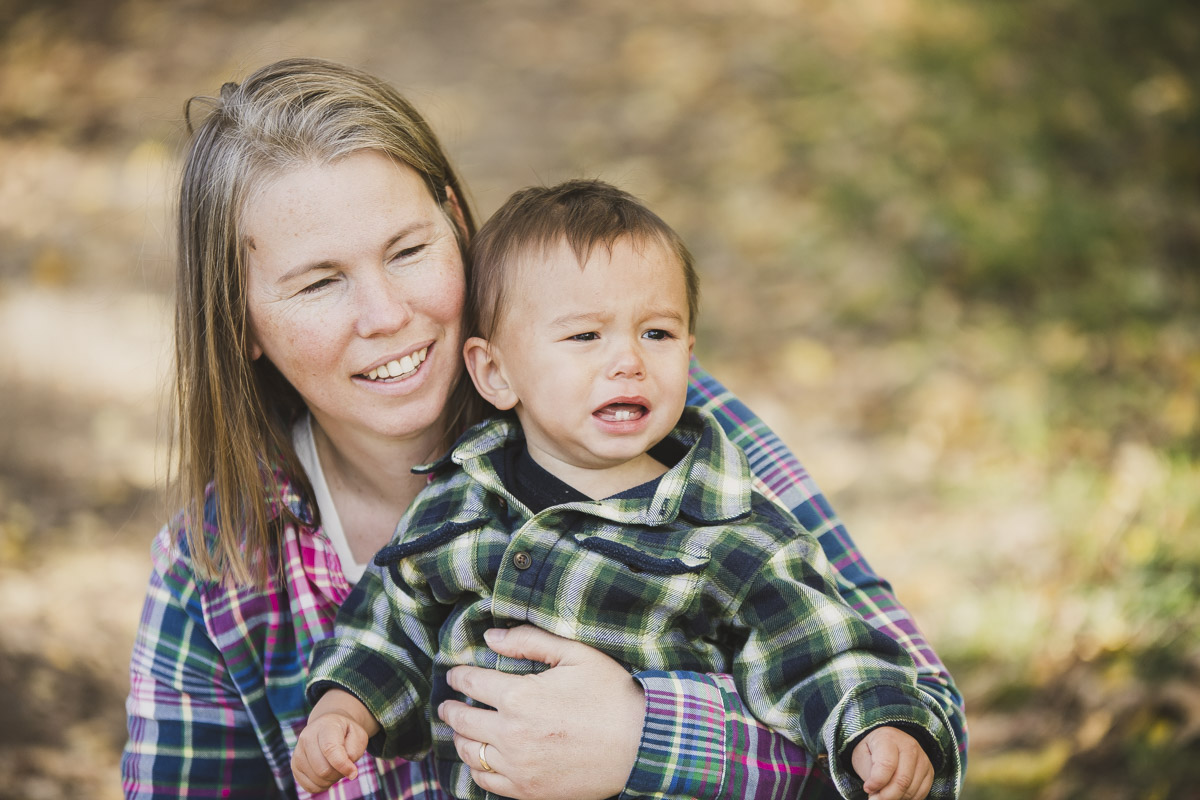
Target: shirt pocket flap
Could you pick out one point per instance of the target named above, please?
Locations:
(435, 538)
(642, 554)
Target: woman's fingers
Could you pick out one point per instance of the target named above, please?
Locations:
(535, 644)
(569, 731)
(483, 685)
(472, 754)
(494, 781)
(491, 688)
(493, 778)
(470, 722)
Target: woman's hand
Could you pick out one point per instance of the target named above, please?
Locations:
(571, 731)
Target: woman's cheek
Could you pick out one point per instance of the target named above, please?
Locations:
(452, 297)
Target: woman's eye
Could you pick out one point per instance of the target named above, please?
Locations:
(316, 286)
(590, 336)
(408, 252)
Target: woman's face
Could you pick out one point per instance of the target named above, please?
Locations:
(355, 292)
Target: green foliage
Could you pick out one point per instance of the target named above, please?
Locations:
(1067, 179)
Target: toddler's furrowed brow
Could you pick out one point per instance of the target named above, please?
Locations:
(596, 318)
(571, 321)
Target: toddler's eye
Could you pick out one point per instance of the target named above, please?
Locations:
(657, 334)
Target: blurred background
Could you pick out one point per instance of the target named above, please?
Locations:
(949, 251)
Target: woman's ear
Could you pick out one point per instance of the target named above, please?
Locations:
(456, 213)
(487, 373)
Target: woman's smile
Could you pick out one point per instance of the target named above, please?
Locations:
(396, 369)
(355, 273)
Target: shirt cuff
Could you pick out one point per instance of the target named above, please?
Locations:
(907, 708)
(682, 752)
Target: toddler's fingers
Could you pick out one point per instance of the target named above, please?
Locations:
(332, 743)
(884, 758)
(903, 780)
(356, 743)
(914, 776)
(300, 770)
(312, 772)
(924, 784)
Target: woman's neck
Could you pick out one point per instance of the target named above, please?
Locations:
(371, 482)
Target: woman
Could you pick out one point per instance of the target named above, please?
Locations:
(317, 342)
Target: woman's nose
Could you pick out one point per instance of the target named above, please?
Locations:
(381, 307)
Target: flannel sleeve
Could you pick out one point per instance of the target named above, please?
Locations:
(814, 668)
(699, 741)
(784, 480)
(382, 652)
(681, 754)
(189, 733)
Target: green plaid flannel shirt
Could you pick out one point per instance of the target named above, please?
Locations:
(707, 576)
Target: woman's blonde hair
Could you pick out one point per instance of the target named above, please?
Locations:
(235, 414)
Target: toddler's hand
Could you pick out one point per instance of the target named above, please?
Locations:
(892, 765)
(327, 750)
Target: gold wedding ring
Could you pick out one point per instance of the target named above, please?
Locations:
(483, 758)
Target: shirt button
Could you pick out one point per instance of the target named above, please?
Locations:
(503, 503)
(522, 560)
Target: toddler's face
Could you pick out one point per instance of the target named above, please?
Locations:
(597, 357)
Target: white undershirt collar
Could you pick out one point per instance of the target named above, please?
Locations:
(306, 451)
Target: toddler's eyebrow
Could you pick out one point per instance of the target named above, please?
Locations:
(596, 318)
(574, 320)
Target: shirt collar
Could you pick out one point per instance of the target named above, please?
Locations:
(710, 484)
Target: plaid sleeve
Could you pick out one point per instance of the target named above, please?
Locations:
(812, 667)
(681, 753)
(189, 733)
(699, 741)
(382, 652)
(784, 480)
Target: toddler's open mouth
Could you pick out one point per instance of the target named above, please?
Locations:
(621, 412)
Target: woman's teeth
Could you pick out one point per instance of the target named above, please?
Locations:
(401, 368)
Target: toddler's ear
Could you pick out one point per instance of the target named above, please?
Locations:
(487, 373)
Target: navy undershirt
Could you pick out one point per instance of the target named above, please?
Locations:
(538, 489)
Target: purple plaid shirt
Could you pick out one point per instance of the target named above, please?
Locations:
(218, 673)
